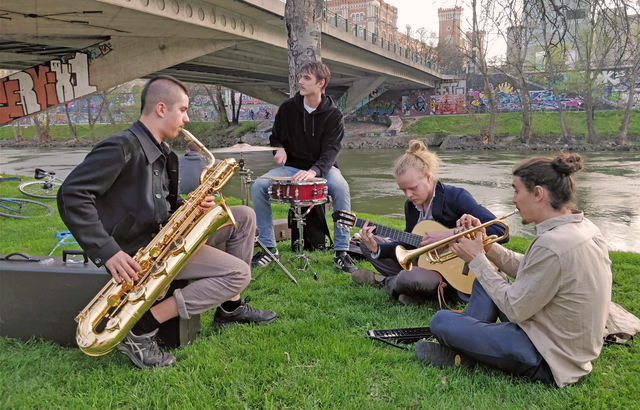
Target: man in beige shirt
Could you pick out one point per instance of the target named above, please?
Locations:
(553, 314)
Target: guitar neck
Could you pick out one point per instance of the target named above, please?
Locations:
(395, 234)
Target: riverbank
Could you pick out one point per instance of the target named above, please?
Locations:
(449, 142)
(372, 138)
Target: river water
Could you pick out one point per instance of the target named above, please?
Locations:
(608, 189)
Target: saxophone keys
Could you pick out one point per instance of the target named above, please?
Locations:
(86, 340)
(113, 300)
(154, 252)
(137, 294)
(177, 247)
(159, 269)
(113, 324)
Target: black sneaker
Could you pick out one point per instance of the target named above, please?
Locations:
(263, 259)
(344, 262)
(144, 352)
(243, 314)
(438, 355)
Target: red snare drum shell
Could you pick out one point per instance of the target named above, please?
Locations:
(298, 193)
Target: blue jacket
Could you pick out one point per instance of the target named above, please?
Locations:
(191, 166)
(449, 204)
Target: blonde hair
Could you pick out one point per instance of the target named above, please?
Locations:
(419, 158)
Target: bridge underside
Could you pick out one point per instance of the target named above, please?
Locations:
(237, 44)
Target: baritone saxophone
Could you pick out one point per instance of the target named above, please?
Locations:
(112, 313)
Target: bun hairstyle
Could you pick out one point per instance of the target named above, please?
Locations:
(553, 174)
(418, 157)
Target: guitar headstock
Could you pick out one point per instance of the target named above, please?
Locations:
(344, 218)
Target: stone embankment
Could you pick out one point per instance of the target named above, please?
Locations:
(450, 142)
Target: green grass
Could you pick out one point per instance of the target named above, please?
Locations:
(606, 123)
(313, 356)
(103, 131)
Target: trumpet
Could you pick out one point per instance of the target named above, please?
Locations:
(405, 257)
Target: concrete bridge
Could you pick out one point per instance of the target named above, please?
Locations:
(70, 48)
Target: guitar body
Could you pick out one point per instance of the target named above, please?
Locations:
(455, 270)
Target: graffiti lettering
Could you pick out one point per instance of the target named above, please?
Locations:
(38, 88)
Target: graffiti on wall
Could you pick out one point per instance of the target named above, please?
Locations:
(420, 102)
(508, 99)
(451, 87)
(450, 97)
(618, 88)
(37, 88)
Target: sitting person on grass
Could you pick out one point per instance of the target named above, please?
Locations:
(553, 314)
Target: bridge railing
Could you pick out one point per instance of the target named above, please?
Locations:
(360, 31)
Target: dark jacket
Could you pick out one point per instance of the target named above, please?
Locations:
(114, 199)
(311, 140)
(449, 204)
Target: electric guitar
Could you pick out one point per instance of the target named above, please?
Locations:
(455, 271)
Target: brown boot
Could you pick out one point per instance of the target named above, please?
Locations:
(367, 277)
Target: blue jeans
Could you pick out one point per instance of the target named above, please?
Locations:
(502, 345)
(338, 189)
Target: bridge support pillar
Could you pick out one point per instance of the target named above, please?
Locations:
(261, 92)
(360, 89)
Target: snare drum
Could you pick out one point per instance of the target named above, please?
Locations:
(298, 193)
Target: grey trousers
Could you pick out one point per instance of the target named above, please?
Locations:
(416, 282)
(219, 274)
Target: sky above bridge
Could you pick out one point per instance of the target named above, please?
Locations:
(424, 13)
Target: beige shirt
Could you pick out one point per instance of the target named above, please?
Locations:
(561, 293)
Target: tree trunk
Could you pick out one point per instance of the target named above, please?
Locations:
(563, 125)
(17, 131)
(525, 132)
(302, 21)
(488, 91)
(42, 130)
(107, 110)
(218, 103)
(92, 120)
(525, 102)
(235, 114)
(624, 127)
(238, 110)
(72, 131)
(588, 102)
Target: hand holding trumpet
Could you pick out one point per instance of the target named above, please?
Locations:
(465, 248)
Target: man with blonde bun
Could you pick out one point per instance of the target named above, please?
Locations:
(553, 314)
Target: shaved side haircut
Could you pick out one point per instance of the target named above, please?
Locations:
(161, 89)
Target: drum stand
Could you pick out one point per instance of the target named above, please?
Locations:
(273, 258)
(245, 182)
(298, 216)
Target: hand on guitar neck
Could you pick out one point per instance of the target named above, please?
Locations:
(368, 232)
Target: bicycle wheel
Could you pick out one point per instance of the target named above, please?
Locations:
(23, 208)
(40, 189)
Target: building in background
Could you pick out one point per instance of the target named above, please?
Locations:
(451, 26)
(376, 16)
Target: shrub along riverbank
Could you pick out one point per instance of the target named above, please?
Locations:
(313, 356)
